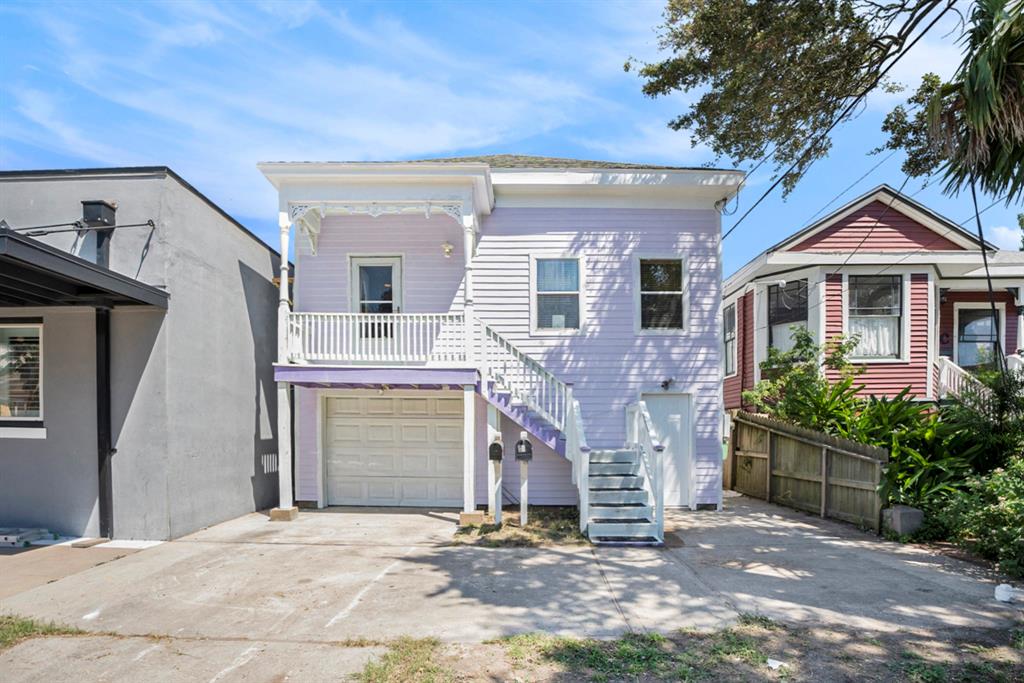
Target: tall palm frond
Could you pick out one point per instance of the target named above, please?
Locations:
(977, 120)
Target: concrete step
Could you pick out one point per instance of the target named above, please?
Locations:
(617, 468)
(622, 530)
(612, 456)
(618, 497)
(635, 511)
(615, 481)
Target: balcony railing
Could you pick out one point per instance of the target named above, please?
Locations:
(437, 339)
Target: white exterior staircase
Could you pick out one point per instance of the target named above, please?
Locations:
(621, 498)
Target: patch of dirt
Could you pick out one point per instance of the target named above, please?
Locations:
(546, 526)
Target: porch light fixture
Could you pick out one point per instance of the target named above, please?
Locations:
(448, 248)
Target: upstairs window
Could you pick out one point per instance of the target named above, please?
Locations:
(729, 339)
(876, 315)
(558, 294)
(787, 308)
(661, 294)
(21, 372)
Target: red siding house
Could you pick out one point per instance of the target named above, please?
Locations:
(908, 282)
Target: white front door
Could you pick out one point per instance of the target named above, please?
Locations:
(670, 415)
(376, 284)
(395, 448)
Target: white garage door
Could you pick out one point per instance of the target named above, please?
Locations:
(394, 449)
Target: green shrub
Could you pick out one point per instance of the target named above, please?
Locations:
(990, 422)
(987, 516)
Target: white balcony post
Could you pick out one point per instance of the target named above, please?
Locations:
(285, 509)
(494, 498)
(469, 246)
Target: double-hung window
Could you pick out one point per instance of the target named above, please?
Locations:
(787, 308)
(662, 299)
(876, 315)
(558, 294)
(729, 339)
(21, 396)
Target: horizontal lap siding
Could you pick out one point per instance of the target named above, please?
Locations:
(888, 379)
(734, 387)
(607, 361)
(877, 227)
(947, 335)
(431, 284)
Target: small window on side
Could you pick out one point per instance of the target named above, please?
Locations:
(21, 380)
(729, 339)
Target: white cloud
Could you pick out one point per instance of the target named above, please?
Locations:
(649, 142)
(1004, 237)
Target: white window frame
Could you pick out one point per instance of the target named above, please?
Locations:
(637, 326)
(581, 265)
(397, 261)
(975, 305)
(735, 340)
(11, 421)
(905, 314)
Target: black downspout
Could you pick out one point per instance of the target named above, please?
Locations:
(103, 426)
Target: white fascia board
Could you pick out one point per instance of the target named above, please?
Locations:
(343, 181)
(745, 274)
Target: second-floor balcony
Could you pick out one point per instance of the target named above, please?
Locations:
(382, 339)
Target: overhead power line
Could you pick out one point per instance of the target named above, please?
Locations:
(837, 121)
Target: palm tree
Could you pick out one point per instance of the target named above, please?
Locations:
(977, 119)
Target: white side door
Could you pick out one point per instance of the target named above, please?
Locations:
(670, 415)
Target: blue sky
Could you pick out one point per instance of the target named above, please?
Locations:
(212, 88)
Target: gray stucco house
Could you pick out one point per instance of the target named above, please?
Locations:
(137, 335)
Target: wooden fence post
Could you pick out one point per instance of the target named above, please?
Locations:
(768, 469)
(824, 479)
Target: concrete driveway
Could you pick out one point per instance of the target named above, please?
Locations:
(267, 596)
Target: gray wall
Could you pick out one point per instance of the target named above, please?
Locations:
(193, 399)
(52, 483)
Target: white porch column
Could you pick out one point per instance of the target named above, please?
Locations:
(285, 509)
(469, 456)
(469, 247)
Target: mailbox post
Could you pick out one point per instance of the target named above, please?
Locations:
(524, 454)
(495, 453)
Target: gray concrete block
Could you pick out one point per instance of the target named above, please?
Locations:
(902, 519)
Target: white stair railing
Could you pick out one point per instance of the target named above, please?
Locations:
(540, 391)
(578, 453)
(1015, 362)
(641, 435)
(953, 379)
(527, 379)
(377, 338)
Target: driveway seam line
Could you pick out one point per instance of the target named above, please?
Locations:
(611, 591)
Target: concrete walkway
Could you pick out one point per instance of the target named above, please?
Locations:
(279, 591)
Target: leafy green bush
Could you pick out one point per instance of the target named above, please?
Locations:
(990, 421)
(794, 387)
(987, 517)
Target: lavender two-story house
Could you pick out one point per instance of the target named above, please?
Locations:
(442, 305)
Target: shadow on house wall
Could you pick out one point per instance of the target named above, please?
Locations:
(261, 298)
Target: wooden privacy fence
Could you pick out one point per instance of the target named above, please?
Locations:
(807, 470)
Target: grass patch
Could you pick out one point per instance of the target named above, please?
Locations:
(14, 629)
(416, 660)
(761, 621)
(1017, 638)
(546, 526)
(912, 667)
